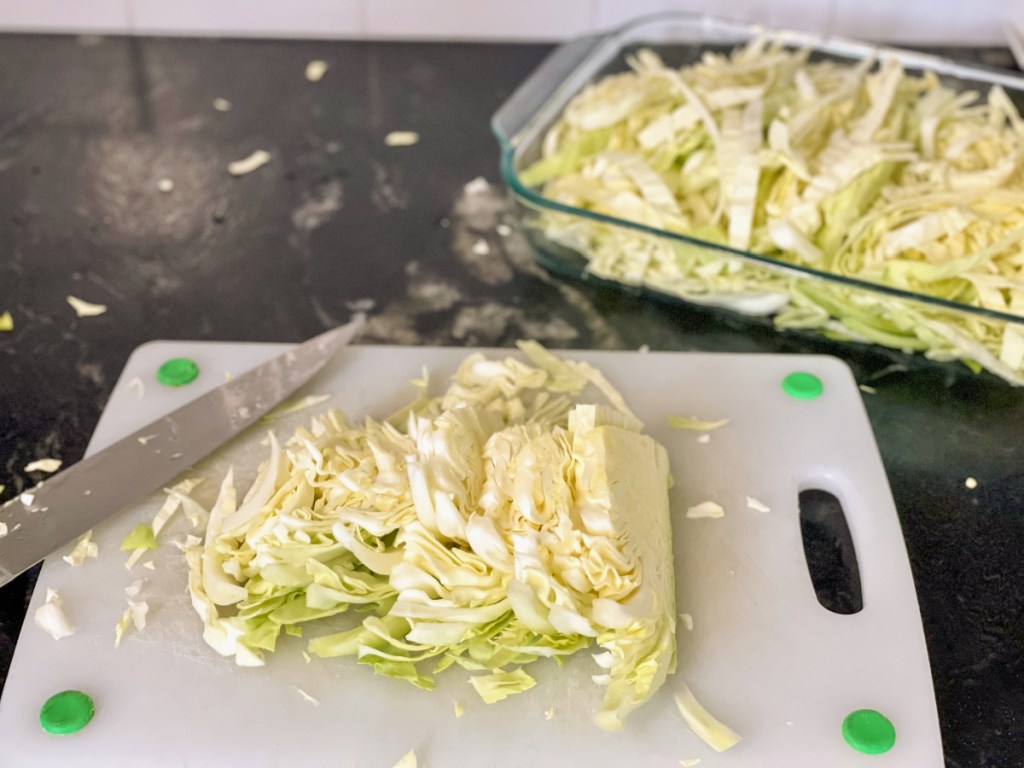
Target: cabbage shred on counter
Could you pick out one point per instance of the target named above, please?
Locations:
(500, 523)
(861, 171)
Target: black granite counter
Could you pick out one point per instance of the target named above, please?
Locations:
(339, 223)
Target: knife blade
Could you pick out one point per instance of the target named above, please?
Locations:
(58, 510)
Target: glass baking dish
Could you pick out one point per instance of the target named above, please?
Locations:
(808, 299)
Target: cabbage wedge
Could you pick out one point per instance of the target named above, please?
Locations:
(504, 521)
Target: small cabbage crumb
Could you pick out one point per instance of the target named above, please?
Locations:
(51, 619)
(27, 499)
(872, 172)
(689, 762)
(3, 528)
(643, 349)
(706, 509)
(307, 657)
(165, 185)
(401, 138)
(84, 548)
(6, 322)
(459, 709)
(687, 620)
(140, 537)
(867, 390)
(549, 713)
(689, 422)
(477, 186)
(43, 465)
(756, 505)
(971, 483)
(500, 685)
(704, 439)
(503, 229)
(481, 248)
(134, 614)
(316, 70)
(84, 308)
(122, 626)
(253, 162)
(149, 565)
(133, 589)
(408, 760)
(222, 105)
(306, 697)
(139, 387)
(146, 438)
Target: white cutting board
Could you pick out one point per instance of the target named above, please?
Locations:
(763, 654)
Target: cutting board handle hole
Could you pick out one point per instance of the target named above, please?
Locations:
(828, 550)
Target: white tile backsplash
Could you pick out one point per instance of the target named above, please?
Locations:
(478, 19)
(64, 15)
(284, 18)
(962, 22)
(912, 21)
(808, 15)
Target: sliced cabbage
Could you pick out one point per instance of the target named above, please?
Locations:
(494, 525)
(863, 171)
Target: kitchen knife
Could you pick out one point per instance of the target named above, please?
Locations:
(59, 509)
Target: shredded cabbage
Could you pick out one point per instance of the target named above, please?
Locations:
(497, 524)
(862, 170)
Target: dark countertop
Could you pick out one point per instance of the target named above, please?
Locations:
(339, 223)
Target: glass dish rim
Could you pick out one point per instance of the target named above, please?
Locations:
(608, 41)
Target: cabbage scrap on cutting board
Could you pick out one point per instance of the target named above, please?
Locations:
(502, 522)
(858, 170)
